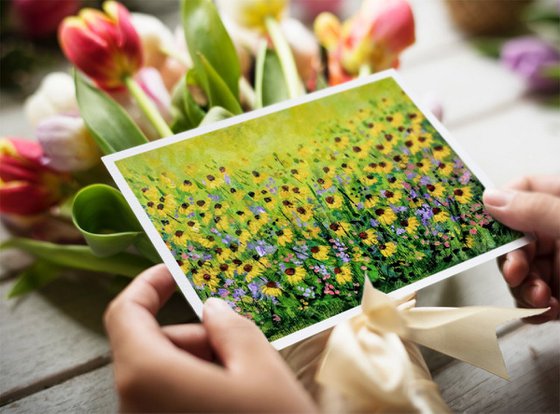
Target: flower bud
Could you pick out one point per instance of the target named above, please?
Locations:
(56, 95)
(105, 46)
(67, 145)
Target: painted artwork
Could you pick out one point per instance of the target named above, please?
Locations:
(284, 214)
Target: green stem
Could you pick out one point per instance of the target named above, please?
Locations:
(285, 56)
(365, 70)
(259, 74)
(148, 107)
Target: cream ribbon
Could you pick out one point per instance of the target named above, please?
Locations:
(365, 354)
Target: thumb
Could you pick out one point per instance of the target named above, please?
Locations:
(237, 341)
(525, 211)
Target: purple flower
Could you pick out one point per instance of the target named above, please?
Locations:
(223, 292)
(400, 231)
(530, 57)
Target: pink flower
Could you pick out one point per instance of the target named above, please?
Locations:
(105, 46)
(40, 18)
(27, 187)
(371, 39)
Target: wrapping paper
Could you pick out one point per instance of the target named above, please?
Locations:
(371, 363)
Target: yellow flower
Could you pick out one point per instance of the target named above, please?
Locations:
(440, 215)
(165, 206)
(384, 167)
(151, 193)
(187, 185)
(251, 270)
(392, 197)
(469, 241)
(271, 289)
(340, 228)
(410, 224)
(388, 249)
(401, 161)
(384, 148)
(425, 140)
(385, 216)
(333, 201)
(463, 195)
(305, 214)
(295, 275)
(360, 152)
(207, 279)
(368, 237)
(412, 146)
(445, 168)
(436, 190)
(371, 201)
(244, 237)
(441, 152)
(168, 181)
(320, 252)
(285, 236)
(325, 183)
(313, 231)
(369, 179)
(179, 238)
(207, 242)
(341, 141)
(213, 181)
(223, 253)
(343, 274)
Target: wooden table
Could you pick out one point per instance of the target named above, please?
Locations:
(54, 356)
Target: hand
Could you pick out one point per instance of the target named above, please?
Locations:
(223, 364)
(533, 272)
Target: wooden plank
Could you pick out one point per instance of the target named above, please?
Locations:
(89, 393)
(49, 333)
(533, 359)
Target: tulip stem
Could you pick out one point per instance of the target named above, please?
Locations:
(148, 107)
(287, 62)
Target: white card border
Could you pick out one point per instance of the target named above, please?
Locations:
(182, 281)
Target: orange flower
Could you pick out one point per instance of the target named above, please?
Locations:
(105, 46)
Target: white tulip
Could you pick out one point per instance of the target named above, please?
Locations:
(56, 95)
(155, 38)
(252, 13)
(304, 47)
(67, 144)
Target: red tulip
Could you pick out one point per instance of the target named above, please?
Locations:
(105, 46)
(27, 187)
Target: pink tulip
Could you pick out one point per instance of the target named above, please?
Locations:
(105, 46)
(40, 18)
(27, 187)
(371, 39)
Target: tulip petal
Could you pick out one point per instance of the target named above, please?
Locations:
(23, 198)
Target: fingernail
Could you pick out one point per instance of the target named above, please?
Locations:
(215, 305)
(497, 198)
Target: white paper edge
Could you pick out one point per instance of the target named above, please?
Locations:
(180, 278)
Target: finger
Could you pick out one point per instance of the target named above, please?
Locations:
(530, 212)
(550, 315)
(534, 293)
(515, 268)
(236, 341)
(130, 316)
(192, 338)
(549, 184)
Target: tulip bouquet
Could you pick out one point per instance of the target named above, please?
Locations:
(135, 81)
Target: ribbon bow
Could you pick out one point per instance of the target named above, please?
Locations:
(359, 347)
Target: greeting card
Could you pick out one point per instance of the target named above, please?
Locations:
(283, 211)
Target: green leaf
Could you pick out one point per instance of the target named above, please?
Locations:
(109, 124)
(39, 274)
(186, 112)
(270, 84)
(103, 216)
(206, 35)
(216, 114)
(216, 89)
(80, 257)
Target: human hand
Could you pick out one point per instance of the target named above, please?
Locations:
(531, 205)
(224, 364)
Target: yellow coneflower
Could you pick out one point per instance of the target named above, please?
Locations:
(392, 197)
(244, 236)
(368, 237)
(469, 241)
(401, 161)
(445, 168)
(343, 274)
(463, 195)
(385, 216)
(187, 185)
(151, 193)
(436, 190)
(398, 119)
(285, 236)
(325, 183)
(384, 167)
(294, 275)
(165, 178)
(410, 224)
(341, 141)
(340, 228)
(250, 269)
(312, 231)
(333, 201)
(441, 151)
(412, 146)
(369, 179)
(257, 176)
(304, 213)
(213, 181)
(371, 201)
(320, 252)
(424, 166)
(387, 249)
(440, 215)
(206, 278)
(179, 238)
(424, 140)
(272, 289)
